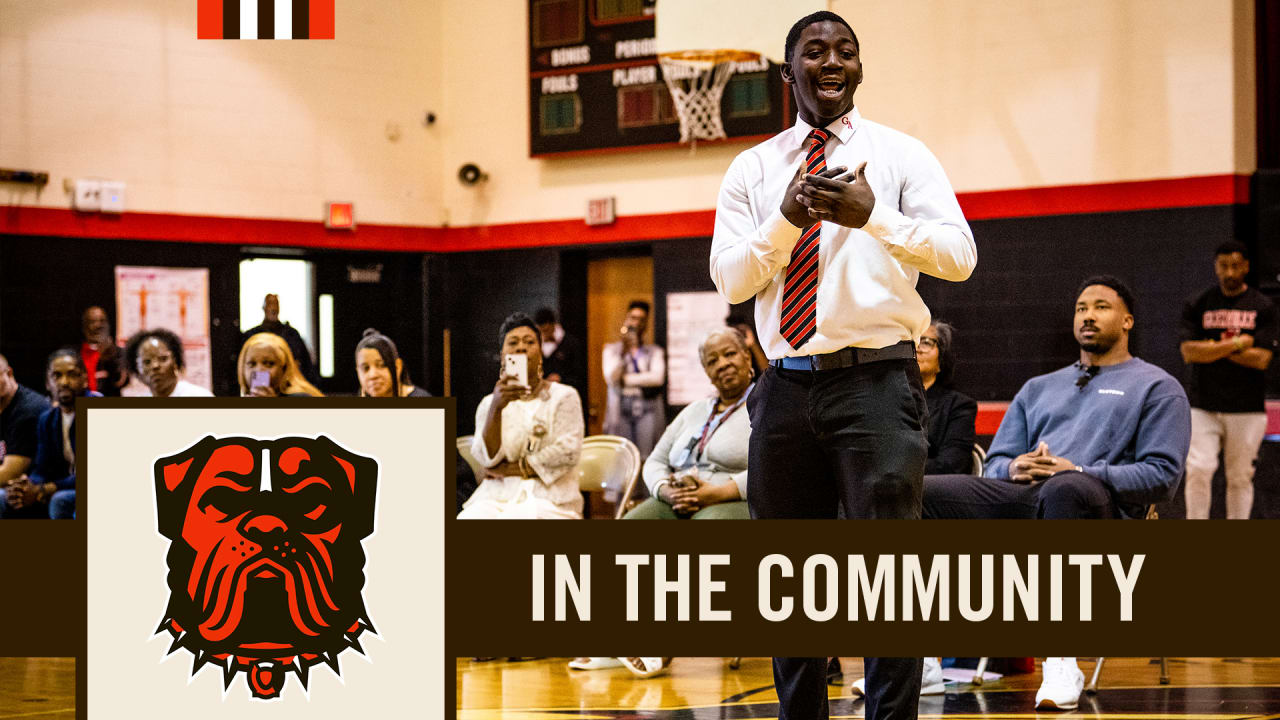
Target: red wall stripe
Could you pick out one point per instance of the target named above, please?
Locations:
(320, 13)
(209, 20)
(991, 413)
(1107, 197)
(989, 416)
(1111, 197)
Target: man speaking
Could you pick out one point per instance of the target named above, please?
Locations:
(839, 419)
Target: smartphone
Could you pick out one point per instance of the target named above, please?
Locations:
(259, 378)
(517, 365)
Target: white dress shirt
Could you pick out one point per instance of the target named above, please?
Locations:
(650, 359)
(867, 277)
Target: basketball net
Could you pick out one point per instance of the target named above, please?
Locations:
(696, 80)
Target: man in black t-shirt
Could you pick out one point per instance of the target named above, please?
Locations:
(1228, 335)
(20, 409)
(297, 346)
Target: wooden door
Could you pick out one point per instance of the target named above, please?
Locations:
(612, 284)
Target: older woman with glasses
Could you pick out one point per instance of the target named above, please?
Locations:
(699, 468)
(951, 414)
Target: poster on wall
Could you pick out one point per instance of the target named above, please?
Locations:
(175, 299)
(690, 316)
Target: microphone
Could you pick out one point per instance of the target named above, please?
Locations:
(1086, 374)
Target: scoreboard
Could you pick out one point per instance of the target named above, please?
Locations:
(595, 82)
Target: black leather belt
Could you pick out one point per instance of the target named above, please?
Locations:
(847, 357)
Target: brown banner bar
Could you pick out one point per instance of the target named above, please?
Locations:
(749, 588)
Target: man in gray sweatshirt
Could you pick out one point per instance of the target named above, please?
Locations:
(1103, 438)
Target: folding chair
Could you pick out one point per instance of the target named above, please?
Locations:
(979, 459)
(464, 447)
(607, 461)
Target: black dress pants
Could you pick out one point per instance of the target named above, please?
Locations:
(852, 438)
(1068, 495)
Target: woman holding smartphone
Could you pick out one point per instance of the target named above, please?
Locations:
(528, 436)
(268, 369)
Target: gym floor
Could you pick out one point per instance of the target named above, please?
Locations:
(37, 688)
(706, 688)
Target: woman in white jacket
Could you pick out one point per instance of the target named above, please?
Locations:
(528, 437)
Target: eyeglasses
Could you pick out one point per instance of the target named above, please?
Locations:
(928, 342)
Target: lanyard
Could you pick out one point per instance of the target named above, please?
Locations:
(713, 423)
(633, 358)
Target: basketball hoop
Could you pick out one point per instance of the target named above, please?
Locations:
(696, 80)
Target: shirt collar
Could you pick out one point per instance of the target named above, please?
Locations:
(838, 127)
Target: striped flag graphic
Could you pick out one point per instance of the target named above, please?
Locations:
(264, 19)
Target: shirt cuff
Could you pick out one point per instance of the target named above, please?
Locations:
(658, 487)
(881, 222)
(778, 231)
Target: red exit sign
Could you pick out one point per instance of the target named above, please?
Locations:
(340, 215)
(600, 211)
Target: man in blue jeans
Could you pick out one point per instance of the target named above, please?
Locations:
(635, 372)
(1105, 437)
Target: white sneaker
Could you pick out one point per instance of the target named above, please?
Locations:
(1060, 689)
(931, 682)
(646, 667)
(594, 663)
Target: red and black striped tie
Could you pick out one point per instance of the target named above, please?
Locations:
(800, 291)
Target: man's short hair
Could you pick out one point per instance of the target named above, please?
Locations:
(793, 36)
(642, 304)
(515, 320)
(1232, 246)
(70, 352)
(545, 316)
(166, 337)
(1114, 283)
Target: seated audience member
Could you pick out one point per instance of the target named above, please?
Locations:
(268, 369)
(951, 414)
(156, 356)
(101, 356)
(746, 325)
(1103, 438)
(50, 488)
(20, 411)
(380, 370)
(529, 438)
(699, 467)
